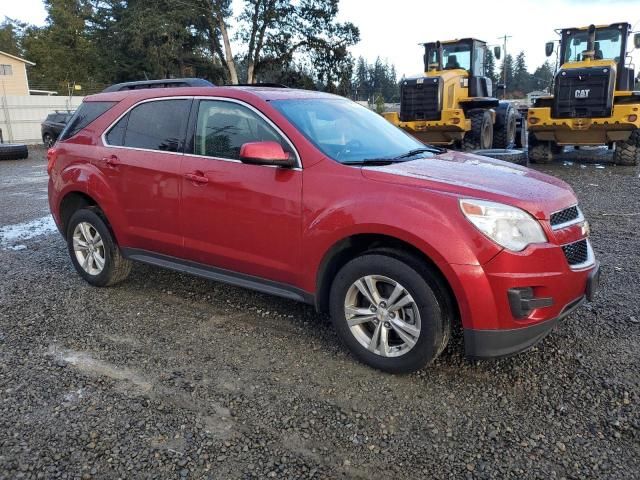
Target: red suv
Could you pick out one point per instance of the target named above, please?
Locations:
(314, 198)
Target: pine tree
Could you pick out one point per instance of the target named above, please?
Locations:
(521, 77)
(507, 65)
(490, 69)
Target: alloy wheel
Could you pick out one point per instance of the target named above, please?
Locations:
(89, 248)
(382, 315)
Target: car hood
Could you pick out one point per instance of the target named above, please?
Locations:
(468, 175)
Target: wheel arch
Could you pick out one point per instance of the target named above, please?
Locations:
(71, 203)
(350, 247)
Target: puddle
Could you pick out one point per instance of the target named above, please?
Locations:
(12, 236)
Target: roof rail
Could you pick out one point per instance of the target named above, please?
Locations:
(266, 84)
(164, 83)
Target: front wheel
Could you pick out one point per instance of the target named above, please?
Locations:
(388, 314)
(628, 152)
(93, 251)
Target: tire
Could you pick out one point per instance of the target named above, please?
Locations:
(480, 137)
(522, 133)
(508, 155)
(13, 151)
(115, 267)
(542, 151)
(504, 136)
(48, 140)
(628, 152)
(427, 311)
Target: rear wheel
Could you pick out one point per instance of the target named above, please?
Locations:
(388, 314)
(504, 136)
(628, 152)
(48, 140)
(481, 134)
(93, 251)
(542, 151)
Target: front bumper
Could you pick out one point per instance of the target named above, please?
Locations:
(583, 131)
(451, 127)
(480, 343)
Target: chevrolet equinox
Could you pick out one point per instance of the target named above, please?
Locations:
(315, 198)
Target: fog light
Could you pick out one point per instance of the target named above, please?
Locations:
(533, 120)
(632, 118)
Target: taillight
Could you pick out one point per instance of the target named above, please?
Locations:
(52, 156)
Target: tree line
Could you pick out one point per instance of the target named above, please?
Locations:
(518, 80)
(94, 43)
(99, 42)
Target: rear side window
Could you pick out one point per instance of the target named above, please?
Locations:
(157, 125)
(86, 113)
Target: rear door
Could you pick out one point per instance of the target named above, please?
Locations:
(245, 218)
(141, 160)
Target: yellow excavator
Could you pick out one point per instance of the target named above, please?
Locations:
(593, 101)
(453, 103)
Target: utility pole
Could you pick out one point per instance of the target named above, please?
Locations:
(504, 65)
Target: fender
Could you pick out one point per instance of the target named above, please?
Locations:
(89, 177)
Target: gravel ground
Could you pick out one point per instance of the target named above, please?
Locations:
(170, 376)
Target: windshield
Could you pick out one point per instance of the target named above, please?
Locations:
(608, 45)
(345, 131)
(455, 55)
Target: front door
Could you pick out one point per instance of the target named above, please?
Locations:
(245, 218)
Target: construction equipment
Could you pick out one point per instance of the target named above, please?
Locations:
(593, 101)
(453, 103)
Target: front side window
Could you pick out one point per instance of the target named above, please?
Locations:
(223, 127)
(607, 46)
(346, 131)
(157, 125)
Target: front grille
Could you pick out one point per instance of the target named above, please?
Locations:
(584, 93)
(577, 252)
(420, 99)
(564, 216)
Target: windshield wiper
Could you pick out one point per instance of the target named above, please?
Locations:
(374, 161)
(425, 149)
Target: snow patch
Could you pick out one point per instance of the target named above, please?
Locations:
(11, 236)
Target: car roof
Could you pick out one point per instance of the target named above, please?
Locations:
(239, 92)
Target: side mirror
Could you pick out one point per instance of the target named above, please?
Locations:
(265, 153)
(497, 52)
(548, 49)
(636, 40)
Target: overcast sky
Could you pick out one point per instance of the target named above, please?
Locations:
(394, 29)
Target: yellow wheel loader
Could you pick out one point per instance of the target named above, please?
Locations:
(453, 103)
(593, 101)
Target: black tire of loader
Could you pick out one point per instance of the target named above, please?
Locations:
(480, 137)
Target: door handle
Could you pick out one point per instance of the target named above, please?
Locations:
(197, 177)
(111, 161)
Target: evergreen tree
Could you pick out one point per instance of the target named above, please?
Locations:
(490, 69)
(507, 66)
(543, 77)
(11, 36)
(521, 77)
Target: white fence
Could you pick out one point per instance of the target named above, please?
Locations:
(20, 117)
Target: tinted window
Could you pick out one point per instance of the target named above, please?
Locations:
(157, 125)
(223, 127)
(346, 131)
(86, 114)
(115, 136)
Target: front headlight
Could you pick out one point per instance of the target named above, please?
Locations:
(508, 226)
